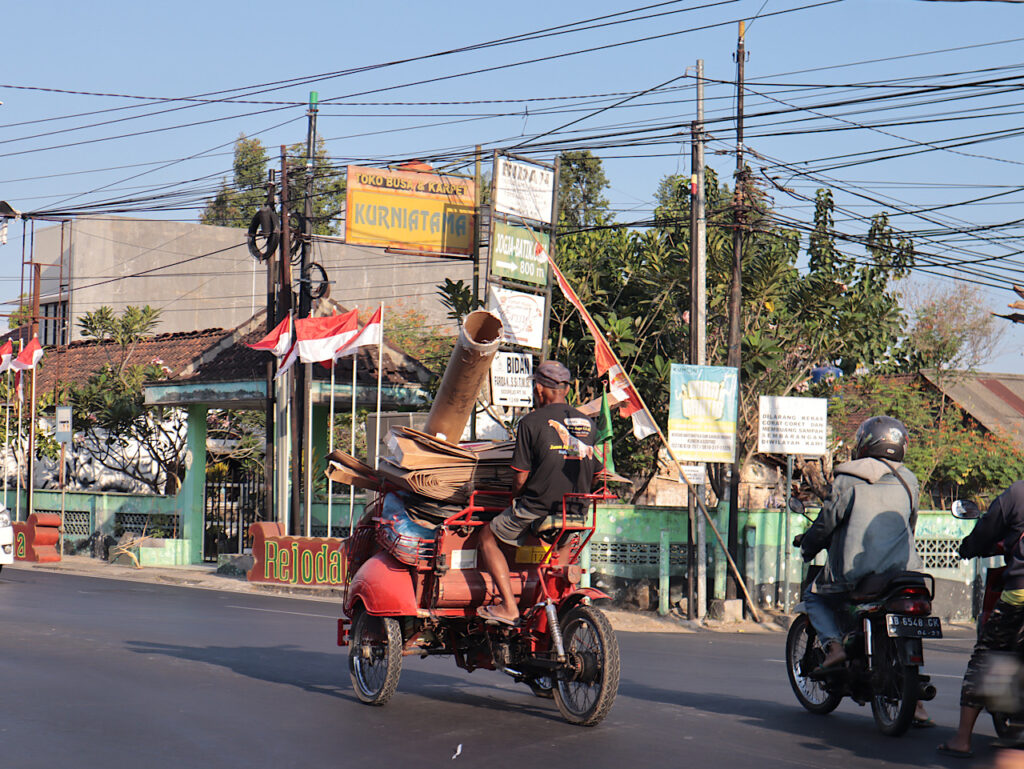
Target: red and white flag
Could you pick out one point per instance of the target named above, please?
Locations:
(619, 382)
(27, 359)
(316, 339)
(371, 333)
(278, 341)
(6, 355)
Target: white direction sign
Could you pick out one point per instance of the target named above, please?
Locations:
(62, 433)
(522, 189)
(521, 314)
(512, 379)
(792, 425)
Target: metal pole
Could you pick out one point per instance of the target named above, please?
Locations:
(663, 572)
(477, 199)
(283, 385)
(17, 450)
(63, 493)
(330, 448)
(352, 442)
(786, 537)
(380, 381)
(29, 481)
(304, 374)
(7, 429)
(546, 345)
(269, 411)
(735, 302)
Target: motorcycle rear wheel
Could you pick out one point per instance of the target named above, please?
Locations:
(894, 706)
(585, 696)
(375, 657)
(803, 655)
(1001, 723)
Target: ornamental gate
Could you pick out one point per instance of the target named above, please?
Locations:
(231, 506)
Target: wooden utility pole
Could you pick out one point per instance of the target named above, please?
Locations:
(735, 302)
(696, 604)
(282, 389)
(272, 321)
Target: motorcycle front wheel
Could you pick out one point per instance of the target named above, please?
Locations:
(586, 687)
(375, 657)
(895, 697)
(804, 654)
(1004, 730)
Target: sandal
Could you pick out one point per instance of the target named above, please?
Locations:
(945, 750)
(487, 614)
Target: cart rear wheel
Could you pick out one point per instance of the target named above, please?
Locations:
(375, 657)
(586, 687)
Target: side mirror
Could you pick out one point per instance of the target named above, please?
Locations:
(965, 509)
(797, 505)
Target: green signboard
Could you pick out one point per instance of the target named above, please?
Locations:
(519, 254)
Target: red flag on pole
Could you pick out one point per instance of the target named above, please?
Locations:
(278, 341)
(371, 333)
(6, 354)
(316, 339)
(27, 359)
(619, 383)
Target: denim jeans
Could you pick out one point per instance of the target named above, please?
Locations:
(821, 610)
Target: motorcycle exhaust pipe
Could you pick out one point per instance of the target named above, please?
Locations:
(927, 692)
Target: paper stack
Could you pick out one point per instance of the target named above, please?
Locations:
(431, 467)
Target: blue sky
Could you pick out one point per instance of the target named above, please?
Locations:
(188, 48)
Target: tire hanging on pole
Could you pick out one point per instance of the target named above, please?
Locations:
(266, 227)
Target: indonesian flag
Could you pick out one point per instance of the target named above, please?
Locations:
(6, 354)
(27, 359)
(278, 341)
(29, 356)
(371, 333)
(619, 383)
(316, 339)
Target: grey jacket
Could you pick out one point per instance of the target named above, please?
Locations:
(867, 524)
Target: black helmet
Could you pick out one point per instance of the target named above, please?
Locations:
(881, 437)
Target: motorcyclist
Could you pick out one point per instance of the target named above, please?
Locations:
(867, 525)
(1002, 523)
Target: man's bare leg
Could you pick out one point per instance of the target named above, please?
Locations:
(962, 739)
(494, 561)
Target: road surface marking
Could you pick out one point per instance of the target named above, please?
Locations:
(278, 611)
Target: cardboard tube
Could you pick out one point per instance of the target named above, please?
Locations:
(471, 360)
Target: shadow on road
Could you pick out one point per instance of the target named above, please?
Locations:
(851, 732)
(327, 674)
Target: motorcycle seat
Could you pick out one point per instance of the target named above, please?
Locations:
(874, 585)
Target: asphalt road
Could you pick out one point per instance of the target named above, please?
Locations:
(105, 673)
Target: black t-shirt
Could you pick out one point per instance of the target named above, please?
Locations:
(555, 445)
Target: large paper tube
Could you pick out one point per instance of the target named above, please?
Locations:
(471, 360)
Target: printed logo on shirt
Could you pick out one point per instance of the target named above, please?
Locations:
(571, 447)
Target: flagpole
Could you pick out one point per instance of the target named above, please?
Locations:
(352, 443)
(309, 450)
(29, 482)
(7, 429)
(17, 459)
(380, 379)
(592, 326)
(330, 448)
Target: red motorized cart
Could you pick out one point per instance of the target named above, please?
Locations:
(415, 588)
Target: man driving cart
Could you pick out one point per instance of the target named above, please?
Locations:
(554, 456)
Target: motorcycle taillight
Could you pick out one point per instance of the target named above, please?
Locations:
(913, 601)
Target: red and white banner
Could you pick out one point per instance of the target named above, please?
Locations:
(619, 382)
(6, 355)
(371, 333)
(278, 341)
(29, 356)
(316, 339)
(27, 359)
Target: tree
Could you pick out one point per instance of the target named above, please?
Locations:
(581, 186)
(122, 433)
(235, 203)
(951, 329)
(328, 187)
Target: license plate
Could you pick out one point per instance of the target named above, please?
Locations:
(913, 627)
(531, 554)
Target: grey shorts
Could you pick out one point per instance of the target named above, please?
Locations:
(511, 524)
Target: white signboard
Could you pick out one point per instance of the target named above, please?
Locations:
(521, 314)
(694, 474)
(523, 190)
(792, 425)
(512, 379)
(62, 433)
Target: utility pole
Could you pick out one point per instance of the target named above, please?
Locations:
(304, 374)
(735, 302)
(696, 605)
(30, 386)
(272, 321)
(282, 385)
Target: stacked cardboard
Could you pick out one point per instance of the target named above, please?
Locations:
(431, 468)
